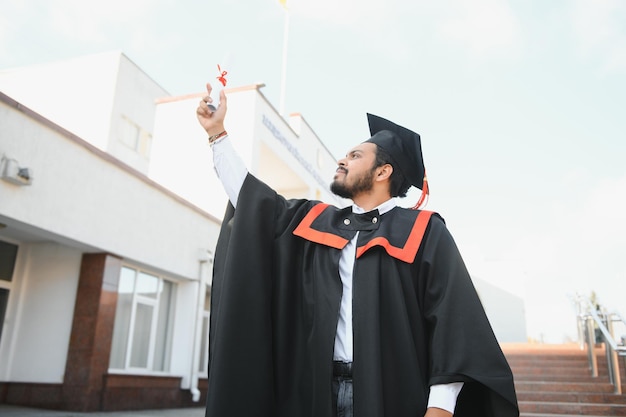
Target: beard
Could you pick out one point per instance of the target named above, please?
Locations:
(361, 184)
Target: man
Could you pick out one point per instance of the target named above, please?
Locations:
(362, 311)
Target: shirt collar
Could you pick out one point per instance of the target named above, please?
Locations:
(382, 209)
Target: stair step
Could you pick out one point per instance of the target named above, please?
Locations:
(583, 409)
(566, 378)
(554, 415)
(554, 386)
(572, 397)
(549, 370)
(556, 381)
(555, 363)
(549, 367)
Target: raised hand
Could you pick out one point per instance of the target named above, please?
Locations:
(212, 121)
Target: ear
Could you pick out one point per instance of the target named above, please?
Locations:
(383, 172)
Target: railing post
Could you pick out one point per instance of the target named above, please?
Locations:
(611, 357)
(591, 341)
(580, 325)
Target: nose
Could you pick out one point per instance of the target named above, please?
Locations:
(342, 162)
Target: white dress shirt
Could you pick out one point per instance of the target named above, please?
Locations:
(232, 172)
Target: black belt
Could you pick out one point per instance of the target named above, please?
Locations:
(343, 369)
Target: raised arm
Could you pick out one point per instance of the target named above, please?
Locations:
(229, 167)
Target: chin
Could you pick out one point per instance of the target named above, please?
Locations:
(337, 189)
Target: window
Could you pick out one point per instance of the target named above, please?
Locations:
(134, 137)
(204, 348)
(143, 322)
(8, 255)
(129, 133)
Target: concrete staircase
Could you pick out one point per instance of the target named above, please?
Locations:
(556, 381)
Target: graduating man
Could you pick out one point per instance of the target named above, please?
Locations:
(364, 311)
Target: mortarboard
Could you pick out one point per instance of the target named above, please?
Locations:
(405, 148)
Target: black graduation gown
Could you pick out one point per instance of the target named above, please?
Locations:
(275, 303)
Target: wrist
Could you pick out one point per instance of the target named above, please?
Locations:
(215, 130)
(214, 138)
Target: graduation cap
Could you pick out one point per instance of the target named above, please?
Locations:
(405, 149)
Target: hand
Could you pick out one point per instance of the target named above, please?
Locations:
(212, 122)
(437, 412)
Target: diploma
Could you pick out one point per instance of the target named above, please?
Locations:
(218, 85)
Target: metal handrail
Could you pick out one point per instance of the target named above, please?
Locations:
(591, 317)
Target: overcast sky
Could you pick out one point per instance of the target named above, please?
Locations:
(521, 106)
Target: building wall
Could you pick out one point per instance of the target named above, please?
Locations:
(49, 278)
(505, 312)
(90, 201)
(83, 200)
(97, 97)
(75, 184)
(77, 94)
(181, 159)
(134, 105)
(300, 150)
(295, 163)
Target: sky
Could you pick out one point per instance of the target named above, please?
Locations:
(521, 106)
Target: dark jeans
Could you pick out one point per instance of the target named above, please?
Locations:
(342, 396)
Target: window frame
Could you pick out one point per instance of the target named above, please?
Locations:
(9, 284)
(203, 362)
(134, 137)
(156, 305)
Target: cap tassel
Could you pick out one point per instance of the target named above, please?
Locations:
(423, 197)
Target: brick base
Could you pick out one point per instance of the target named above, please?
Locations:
(120, 393)
(87, 386)
(35, 395)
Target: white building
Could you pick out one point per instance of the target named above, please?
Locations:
(109, 214)
(505, 310)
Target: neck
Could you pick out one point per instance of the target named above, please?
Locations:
(370, 201)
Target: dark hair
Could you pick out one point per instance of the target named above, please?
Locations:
(398, 184)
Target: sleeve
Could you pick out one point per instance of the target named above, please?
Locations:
(229, 167)
(462, 345)
(242, 334)
(444, 396)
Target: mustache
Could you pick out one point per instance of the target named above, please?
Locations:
(341, 169)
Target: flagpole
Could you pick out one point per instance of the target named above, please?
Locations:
(283, 78)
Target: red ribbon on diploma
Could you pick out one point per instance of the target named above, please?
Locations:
(222, 77)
